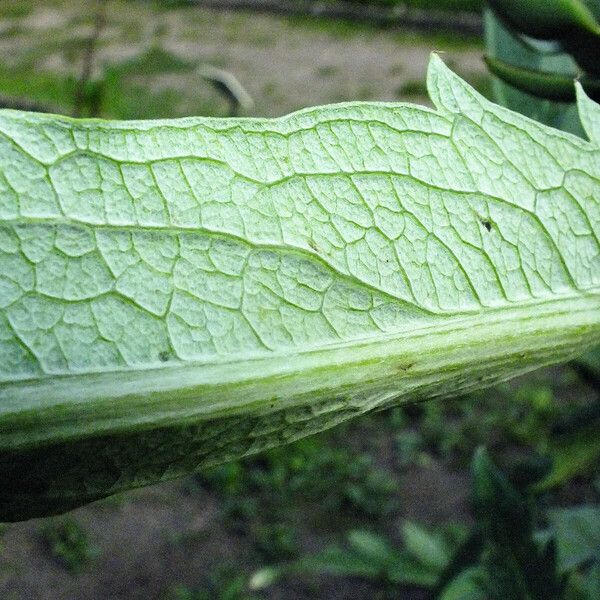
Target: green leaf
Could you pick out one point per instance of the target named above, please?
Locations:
(367, 556)
(339, 562)
(468, 585)
(544, 19)
(573, 453)
(428, 547)
(515, 566)
(550, 86)
(407, 570)
(373, 547)
(332, 560)
(502, 512)
(589, 112)
(175, 294)
(508, 46)
(592, 582)
(577, 532)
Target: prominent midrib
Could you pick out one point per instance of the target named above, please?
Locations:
(460, 350)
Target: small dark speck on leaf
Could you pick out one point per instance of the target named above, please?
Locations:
(487, 225)
(163, 356)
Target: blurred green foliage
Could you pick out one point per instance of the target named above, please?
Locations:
(225, 583)
(450, 5)
(68, 542)
(447, 5)
(504, 555)
(536, 49)
(121, 93)
(315, 476)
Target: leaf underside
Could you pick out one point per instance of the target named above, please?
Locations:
(178, 293)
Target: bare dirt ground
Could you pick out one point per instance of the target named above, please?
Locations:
(148, 542)
(285, 64)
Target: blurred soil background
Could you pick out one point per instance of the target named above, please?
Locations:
(202, 537)
(150, 56)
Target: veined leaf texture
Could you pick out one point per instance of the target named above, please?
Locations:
(181, 292)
